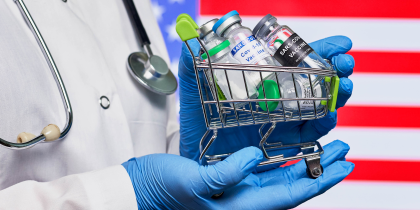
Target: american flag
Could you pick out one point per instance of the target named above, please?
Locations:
(381, 120)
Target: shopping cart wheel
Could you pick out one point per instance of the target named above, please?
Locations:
(315, 172)
(216, 196)
(314, 168)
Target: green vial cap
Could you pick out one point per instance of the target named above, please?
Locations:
(215, 50)
(271, 92)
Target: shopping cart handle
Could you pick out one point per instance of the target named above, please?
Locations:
(335, 83)
(188, 18)
(185, 30)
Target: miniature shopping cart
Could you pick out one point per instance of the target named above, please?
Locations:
(221, 113)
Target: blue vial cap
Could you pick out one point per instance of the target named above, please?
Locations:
(223, 19)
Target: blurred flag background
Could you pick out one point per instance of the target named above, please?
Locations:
(381, 122)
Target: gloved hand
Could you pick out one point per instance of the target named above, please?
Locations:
(229, 140)
(163, 181)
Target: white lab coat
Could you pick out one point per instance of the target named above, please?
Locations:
(90, 41)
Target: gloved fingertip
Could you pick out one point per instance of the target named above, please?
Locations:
(257, 154)
(343, 41)
(336, 149)
(331, 46)
(339, 44)
(333, 174)
(349, 60)
(345, 91)
(348, 167)
(247, 159)
(345, 86)
(340, 144)
(230, 171)
(344, 64)
(306, 188)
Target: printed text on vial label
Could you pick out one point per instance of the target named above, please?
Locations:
(249, 51)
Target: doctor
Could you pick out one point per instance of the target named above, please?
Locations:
(90, 42)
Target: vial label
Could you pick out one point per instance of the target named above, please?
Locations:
(292, 51)
(282, 35)
(307, 105)
(249, 51)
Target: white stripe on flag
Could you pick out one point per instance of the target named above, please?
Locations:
(366, 34)
(385, 89)
(377, 143)
(368, 195)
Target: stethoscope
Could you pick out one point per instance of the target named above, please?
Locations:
(149, 70)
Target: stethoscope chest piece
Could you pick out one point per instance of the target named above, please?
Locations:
(153, 73)
(149, 70)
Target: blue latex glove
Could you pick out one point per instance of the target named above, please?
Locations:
(163, 181)
(232, 139)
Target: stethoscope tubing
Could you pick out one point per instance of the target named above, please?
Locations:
(56, 74)
(132, 11)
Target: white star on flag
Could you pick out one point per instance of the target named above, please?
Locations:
(158, 10)
(174, 66)
(172, 35)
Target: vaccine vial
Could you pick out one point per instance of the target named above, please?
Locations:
(244, 46)
(208, 37)
(230, 84)
(248, 50)
(289, 49)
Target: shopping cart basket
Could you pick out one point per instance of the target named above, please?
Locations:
(221, 113)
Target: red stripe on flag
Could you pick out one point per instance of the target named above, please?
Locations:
(320, 8)
(381, 170)
(385, 170)
(386, 62)
(379, 116)
(289, 163)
